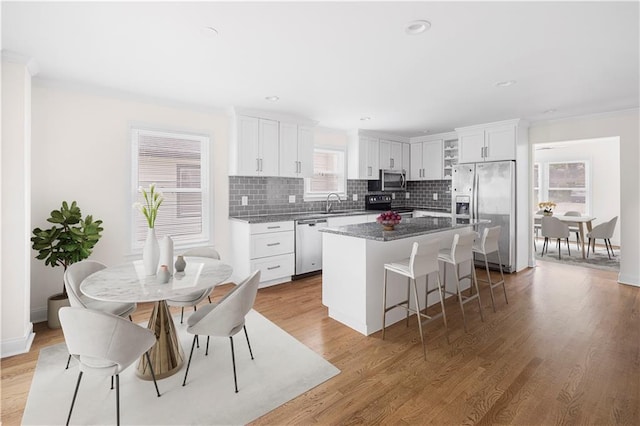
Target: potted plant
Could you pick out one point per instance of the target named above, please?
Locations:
(70, 240)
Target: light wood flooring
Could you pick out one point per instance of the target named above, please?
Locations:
(565, 350)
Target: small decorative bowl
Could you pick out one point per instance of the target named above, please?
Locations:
(389, 220)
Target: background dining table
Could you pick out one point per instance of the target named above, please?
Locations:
(578, 220)
(128, 282)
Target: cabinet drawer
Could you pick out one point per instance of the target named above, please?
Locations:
(274, 267)
(272, 244)
(261, 228)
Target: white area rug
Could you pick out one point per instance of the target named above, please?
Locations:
(283, 368)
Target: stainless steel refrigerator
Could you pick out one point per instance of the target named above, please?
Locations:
(488, 191)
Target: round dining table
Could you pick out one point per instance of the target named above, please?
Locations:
(128, 282)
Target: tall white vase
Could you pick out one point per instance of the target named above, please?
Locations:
(166, 253)
(151, 253)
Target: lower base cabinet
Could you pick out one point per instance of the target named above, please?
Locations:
(268, 247)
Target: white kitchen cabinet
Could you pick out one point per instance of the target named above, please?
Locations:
(429, 213)
(269, 247)
(406, 158)
(390, 155)
(363, 157)
(296, 150)
(254, 149)
(426, 160)
(495, 142)
(450, 150)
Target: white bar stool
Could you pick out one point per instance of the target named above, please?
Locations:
(422, 262)
(459, 253)
(487, 244)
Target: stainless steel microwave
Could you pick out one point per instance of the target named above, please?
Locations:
(390, 180)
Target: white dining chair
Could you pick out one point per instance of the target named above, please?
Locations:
(460, 253)
(552, 227)
(485, 245)
(192, 299)
(537, 227)
(225, 318)
(73, 277)
(574, 227)
(605, 232)
(423, 261)
(104, 345)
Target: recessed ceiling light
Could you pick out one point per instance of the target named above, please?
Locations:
(506, 83)
(272, 98)
(211, 31)
(550, 111)
(365, 118)
(425, 131)
(417, 27)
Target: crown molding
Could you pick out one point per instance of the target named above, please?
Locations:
(18, 58)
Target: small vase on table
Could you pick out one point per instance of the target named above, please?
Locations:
(151, 253)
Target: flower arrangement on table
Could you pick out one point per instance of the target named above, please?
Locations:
(388, 220)
(547, 207)
(152, 201)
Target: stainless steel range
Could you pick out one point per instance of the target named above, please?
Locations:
(382, 202)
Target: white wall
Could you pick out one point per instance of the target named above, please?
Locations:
(81, 152)
(626, 126)
(17, 329)
(603, 156)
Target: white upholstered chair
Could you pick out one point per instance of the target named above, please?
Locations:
(460, 253)
(104, 345)
(225, 318)
(423, 261)
(73, 277)
(604, 231)
(192, 299)
(552, 227)
(574, 227)
(537, 227)
(487, 244)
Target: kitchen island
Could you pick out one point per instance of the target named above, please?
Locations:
(353, 268)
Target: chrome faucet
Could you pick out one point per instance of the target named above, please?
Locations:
(329, 206)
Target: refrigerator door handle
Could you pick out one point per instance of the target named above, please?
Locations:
(474, 210)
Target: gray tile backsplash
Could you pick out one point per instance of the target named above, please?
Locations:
(270, 195)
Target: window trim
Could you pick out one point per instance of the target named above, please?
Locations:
(205, 183)
(543, 175)
(320, 196)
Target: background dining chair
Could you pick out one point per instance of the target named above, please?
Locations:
(604, 231)
(192, 299)
(225, 318)
(537, 227)
(104, 345)
(423, 261)
(73, 277)
(574, 227)
(552, 227)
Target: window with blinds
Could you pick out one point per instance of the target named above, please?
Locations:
(179, 166)
(329, 174)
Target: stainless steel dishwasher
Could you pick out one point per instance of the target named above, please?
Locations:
(309, 245)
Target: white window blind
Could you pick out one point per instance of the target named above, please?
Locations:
(566, 184)
(179, 166)
(328, 173)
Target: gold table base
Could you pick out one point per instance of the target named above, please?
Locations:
(166, 355)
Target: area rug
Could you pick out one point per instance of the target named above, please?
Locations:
(283, 368)
(597, 260)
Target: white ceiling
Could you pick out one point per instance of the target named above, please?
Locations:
(337, 62)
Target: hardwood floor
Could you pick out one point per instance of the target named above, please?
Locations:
(565, 350)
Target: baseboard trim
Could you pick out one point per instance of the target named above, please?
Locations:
(628, 280)
(17, 346)
(39, 315)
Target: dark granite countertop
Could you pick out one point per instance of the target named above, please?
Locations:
(266, 218)
(407, 228)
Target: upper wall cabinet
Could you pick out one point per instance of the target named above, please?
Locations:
(391, 155)
(296, 150)
(426, 160)
(363, 157)
(490, 142)
(265, 144)
(254, 150)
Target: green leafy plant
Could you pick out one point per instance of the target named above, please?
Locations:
(70, 239)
